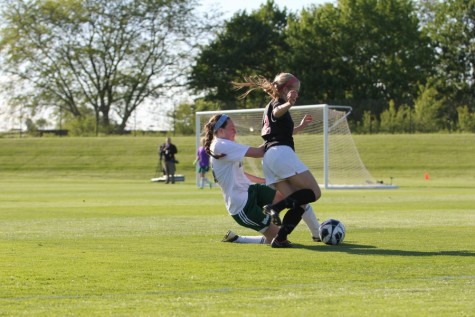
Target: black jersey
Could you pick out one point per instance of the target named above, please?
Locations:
(277, 131)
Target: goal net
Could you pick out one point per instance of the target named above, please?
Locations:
(325, 146)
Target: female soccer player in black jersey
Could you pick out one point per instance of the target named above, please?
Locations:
(281, 165)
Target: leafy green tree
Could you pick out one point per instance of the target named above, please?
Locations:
(427, 110)
(203, 105)
(41, 123)
(388, 119)
(360, 50)
(31, 127)
(315, 38)
(397, 120)
(109, 56)
(249, 44)
(83, 125)
(405, 119)
(184, 116)
(451, 26)
(369, 124)
(466, 119)
(183, 119)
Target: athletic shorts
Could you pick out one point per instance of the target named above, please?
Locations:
(252, 216)
(281, 162)
(203, 169)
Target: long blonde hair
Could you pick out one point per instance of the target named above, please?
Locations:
(273, 89)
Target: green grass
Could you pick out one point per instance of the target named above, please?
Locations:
(83, 232)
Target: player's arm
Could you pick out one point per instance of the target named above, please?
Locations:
(255, 179)
(255, 151)
(280, 110)
(307, 119)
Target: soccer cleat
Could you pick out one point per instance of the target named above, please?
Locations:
(267, 209)
(230, 237)
(280, 244)
(316, 239)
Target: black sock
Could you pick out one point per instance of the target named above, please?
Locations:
(298, 198)
(290, 221)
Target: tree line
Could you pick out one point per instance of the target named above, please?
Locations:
(404, 66)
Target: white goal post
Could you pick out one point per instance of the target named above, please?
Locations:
(326, 146)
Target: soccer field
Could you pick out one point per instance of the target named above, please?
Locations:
(85, 233)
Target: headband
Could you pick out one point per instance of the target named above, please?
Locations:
(289, 82)
(220, 122)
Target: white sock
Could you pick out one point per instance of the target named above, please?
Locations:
(311, 220)
(202, 182)
(251, 239)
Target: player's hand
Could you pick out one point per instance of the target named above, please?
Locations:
(307, 119)
(292, 96)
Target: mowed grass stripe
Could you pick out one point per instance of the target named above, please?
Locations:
(99, 239)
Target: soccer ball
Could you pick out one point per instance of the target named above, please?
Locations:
(332, 232)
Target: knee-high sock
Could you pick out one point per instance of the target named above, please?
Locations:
(298, 198)
(311, 220)
(290, 221)
(251, 239)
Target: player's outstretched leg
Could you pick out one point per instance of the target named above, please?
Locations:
(310, 219)
(234, 237)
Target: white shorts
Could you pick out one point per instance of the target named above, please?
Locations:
(281, 162)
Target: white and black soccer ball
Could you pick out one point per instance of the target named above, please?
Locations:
(332, 232)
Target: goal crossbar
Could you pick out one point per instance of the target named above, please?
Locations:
(326, 145)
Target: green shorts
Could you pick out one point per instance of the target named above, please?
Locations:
(203, 169)
(252, 216)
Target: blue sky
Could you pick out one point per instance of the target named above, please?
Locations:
(229, 7)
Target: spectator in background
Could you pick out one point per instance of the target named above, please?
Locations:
(202, 158)
(167, 155)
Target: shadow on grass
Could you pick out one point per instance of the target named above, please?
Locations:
(362, 249)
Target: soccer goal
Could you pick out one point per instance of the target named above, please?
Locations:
(326, 146)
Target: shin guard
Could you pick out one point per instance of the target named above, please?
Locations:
(290, 221)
